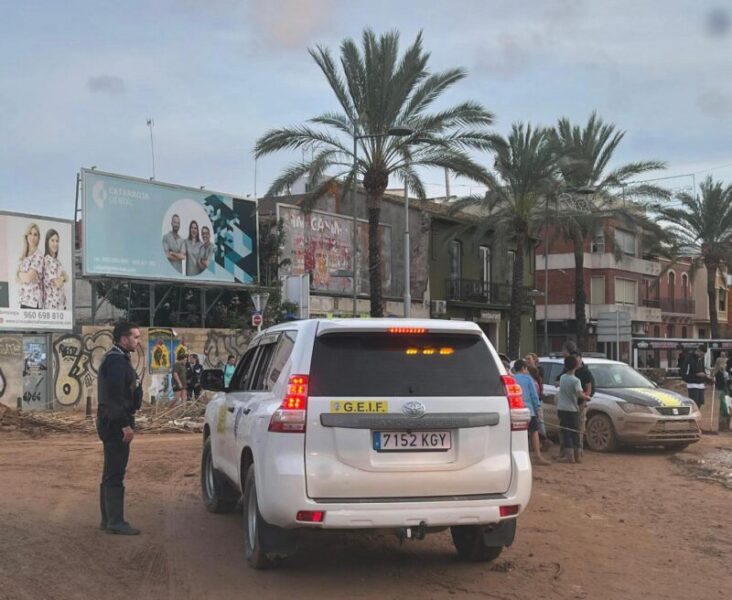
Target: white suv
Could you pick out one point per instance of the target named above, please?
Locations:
(412, 426)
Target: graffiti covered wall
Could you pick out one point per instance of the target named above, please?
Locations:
(319, 243)
(76, 359)
(11, 368)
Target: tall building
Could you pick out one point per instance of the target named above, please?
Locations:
(618, 275)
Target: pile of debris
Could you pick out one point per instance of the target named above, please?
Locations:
(186, 418)
(182, 418)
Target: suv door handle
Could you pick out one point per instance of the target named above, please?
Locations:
(230, 408)
(246, 411)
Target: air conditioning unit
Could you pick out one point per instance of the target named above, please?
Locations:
(439, 307)
(638, 329)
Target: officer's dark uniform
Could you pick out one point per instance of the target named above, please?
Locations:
(119, 397)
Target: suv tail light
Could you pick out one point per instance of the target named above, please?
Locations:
(520, 415)
(291, 416)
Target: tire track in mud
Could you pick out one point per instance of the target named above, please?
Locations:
(165, 572)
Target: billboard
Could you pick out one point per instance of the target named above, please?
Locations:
(319, 243)
(140, 229)
(36, 272)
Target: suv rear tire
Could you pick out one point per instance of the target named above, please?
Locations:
(218, 496)
(255, 527)
(470, 545)
(600, 433)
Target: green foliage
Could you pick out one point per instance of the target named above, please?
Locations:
(702, 230)
(377, 89)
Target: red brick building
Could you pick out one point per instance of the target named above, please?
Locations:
(629, 284)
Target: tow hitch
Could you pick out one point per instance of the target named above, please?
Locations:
(412, 533)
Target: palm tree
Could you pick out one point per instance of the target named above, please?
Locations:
(703, 228)
(525, 169)
(377, 91)
(584, 154)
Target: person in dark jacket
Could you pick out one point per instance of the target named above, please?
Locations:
(119, 396)
(695, 376)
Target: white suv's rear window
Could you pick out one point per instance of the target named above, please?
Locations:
(384, 364)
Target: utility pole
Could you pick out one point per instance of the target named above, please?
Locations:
(150, 124)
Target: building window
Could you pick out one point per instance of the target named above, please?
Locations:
(684, 332)
(684, 286)
(625, 241)
(598, 244)
(722, 293)
(597, 290)
(702, 334)
(671, 331)
(656, 331)
(510, 260)
(434, 242)
(485, 265)
(456, 260)
(671, 285)
(626, 291)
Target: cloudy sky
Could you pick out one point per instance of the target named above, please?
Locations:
(79, 79)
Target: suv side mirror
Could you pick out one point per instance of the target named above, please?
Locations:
(212, 380)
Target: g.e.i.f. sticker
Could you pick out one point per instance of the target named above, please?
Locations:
(359, 406)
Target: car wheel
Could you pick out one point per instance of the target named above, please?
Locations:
(470, 545)
(218, 496)
(600, 433)
(254, 526)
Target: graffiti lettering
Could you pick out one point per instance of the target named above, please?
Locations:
(31, 396)
(10, 347)
(77, 364)
(219, 344)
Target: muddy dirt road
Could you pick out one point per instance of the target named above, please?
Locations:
(632, 525)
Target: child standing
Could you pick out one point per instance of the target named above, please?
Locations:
(531, 399)
(568, 407)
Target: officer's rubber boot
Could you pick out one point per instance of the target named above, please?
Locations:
(102, 508)
(578, 455)
(115, 499)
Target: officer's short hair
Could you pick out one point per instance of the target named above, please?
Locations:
(122, 329)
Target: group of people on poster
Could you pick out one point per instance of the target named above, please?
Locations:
(197, 250)
(40, 276)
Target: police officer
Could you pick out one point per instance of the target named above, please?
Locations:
(119, 395)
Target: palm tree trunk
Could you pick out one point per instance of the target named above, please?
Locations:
(375, 182)
(580, 298)
(712, 297)
(377, 306)
(517, 297)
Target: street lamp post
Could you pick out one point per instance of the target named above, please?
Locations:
(546, 275)
(392, 132)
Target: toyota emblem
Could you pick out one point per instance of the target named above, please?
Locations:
(413, 409)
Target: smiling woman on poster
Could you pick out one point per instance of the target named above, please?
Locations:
(54, 276)
(193, 248)
(30, 270)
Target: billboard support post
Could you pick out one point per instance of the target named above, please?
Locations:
(152, 305)
(93, 302)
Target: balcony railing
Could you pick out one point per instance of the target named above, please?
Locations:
(678, 305)
(481, 292)
(651, 302)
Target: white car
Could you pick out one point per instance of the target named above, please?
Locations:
(411, 426)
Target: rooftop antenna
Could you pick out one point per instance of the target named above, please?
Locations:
(151, 124)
